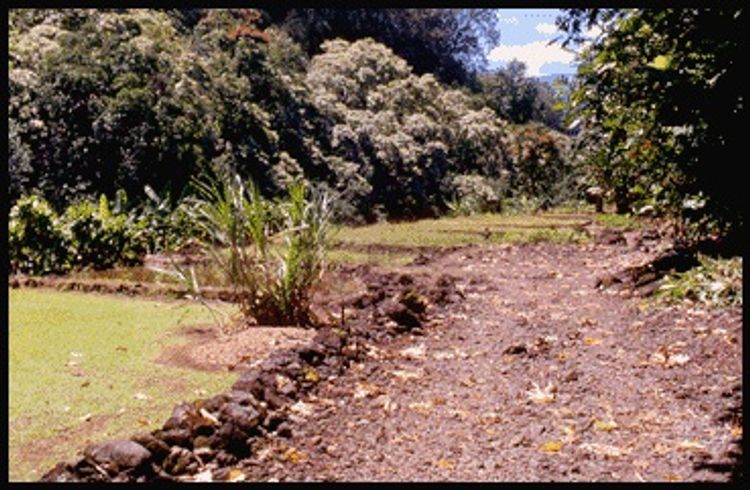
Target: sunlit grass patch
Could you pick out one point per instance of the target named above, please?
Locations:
(78, 356)
(620, 221)
(375, 258)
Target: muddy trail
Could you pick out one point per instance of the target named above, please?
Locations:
(534, 376)
(509, 365)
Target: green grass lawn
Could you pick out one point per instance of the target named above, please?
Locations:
(77, 356)
(466, 230)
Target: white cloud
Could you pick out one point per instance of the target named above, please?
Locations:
(544, 28)
(534, 54)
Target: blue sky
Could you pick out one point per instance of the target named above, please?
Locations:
(524, 36)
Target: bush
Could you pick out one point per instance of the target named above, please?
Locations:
(715, 282)
(475, 194)
(36, 242)
(99, 238)
(271, 252)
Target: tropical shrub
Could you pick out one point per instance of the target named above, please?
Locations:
(36, 241)
(99, 238)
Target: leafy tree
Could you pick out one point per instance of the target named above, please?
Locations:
(392, 129)
(450, 43)
(518, 98)
(660, 110)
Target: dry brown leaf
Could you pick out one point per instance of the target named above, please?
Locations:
(605, 425)
(736, 430)
(688, 445)
(551, 447)
(421, 407)
(407, 375)
(235, 475)
(445, 464)
(362, 390)
(311, 374)
(603, 449)
(293, 455)
(591, 341)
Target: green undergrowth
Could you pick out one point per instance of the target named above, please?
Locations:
(715, 282)
(82, 369)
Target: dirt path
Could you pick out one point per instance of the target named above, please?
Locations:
(536, 376)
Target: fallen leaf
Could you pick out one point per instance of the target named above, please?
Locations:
(538, 395)
(736, 431)
(591, 341)
(140, 396)
(421, 407)
(551, 447)
(444, 464)
(293, 455)
(442, 355)
(121, 348)
(562, 356)
(362, 390)
(311, 374)
(208, 416)
(406, 375)
(203, 476)
(687, 445)
(678, 360)
(605, 426)
(416, 352)
(85, 384)
(603, 449)
(673, 477)
(587, 322)
(235, 475)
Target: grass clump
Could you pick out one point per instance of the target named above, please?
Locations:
(270, 252)
(716, 282)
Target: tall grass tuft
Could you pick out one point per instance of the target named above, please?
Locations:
(271, 252)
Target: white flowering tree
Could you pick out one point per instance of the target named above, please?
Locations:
(399, 139)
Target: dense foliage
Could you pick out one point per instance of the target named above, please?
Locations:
(136, 103)
(520, 99)
(449, 43)
(660, 108)
(392, 129)
(88, 234)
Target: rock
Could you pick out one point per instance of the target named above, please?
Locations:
(62, 472)
(414, 302)
(246, 418)
(118, 455)
(328, 338)
(312, 354)
(402, 315)
(177, 461)
(517, 349)
(158, 448)
(251, 383)
(610, 237)
(176, 437)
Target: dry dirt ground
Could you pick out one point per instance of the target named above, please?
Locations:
(535, 376)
